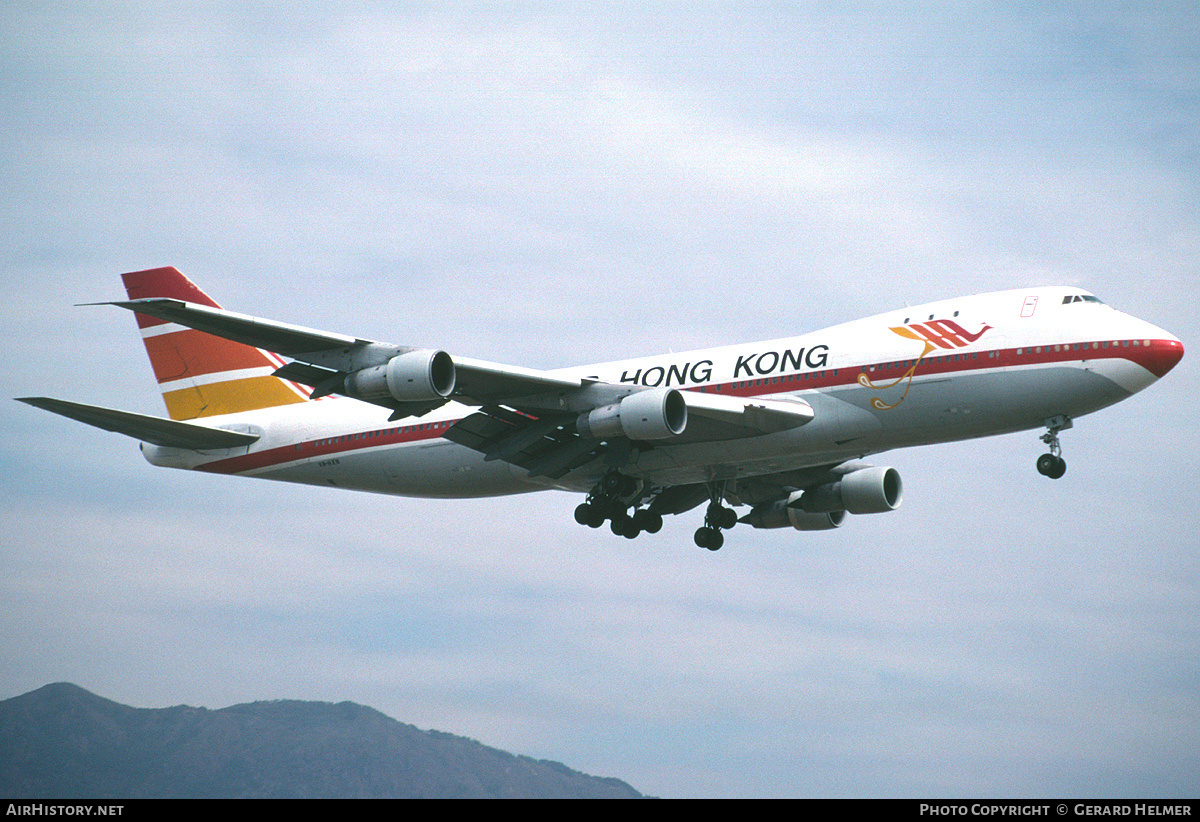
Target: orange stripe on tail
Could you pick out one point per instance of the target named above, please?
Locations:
(201, 375)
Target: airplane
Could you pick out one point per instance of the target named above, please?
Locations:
(778, 427)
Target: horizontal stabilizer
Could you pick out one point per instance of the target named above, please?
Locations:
(154, 430)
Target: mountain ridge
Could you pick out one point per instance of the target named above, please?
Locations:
(62, 741)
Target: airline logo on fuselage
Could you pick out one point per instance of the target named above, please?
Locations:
(941, 333)
(746, 366)
(933, 335)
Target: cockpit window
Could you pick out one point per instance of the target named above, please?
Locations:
(1081, 298)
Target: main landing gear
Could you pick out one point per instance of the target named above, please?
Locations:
(1052, 465)
(715, 518)
(618, 499)
(611, 500)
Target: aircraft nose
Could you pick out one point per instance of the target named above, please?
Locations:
(1164, 355)
(1150, 352)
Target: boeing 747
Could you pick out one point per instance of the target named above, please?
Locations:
(776, 427)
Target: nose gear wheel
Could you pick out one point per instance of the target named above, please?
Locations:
(1052, 465)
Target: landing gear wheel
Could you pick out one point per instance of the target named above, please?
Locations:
(1052, 465)
(647, 521)
(718, 516)
(622, 525)
(589, 514)
(710, 538)
(1045, 464)
(1048, 465)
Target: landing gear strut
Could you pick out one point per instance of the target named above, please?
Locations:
(715, 518)
(1052, 465)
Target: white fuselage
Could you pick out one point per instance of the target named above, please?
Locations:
(952, 370)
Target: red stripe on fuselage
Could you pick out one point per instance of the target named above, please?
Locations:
(1156, 356)
(323, 447)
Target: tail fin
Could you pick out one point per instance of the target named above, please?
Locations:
(201, 375)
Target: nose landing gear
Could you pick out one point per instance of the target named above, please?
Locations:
(1052, 465)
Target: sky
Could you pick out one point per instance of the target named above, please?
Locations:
(551, 184)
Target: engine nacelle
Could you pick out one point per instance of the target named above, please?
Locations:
(781, 514)
(647, 415)
(413, 377)
(862, 491)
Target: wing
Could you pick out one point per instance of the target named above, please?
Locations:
(542, 421)
(154, 430)
(553, 444)
(324, 359)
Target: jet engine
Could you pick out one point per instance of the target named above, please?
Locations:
(861, 491)
(781, 514)
(647, 415)
(416, 376)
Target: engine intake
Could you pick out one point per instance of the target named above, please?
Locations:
(647, 415)
(412, 377)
